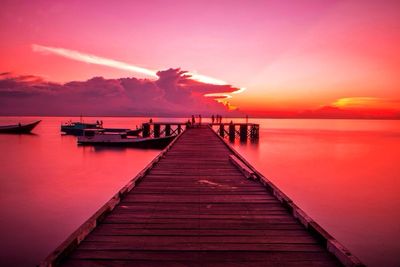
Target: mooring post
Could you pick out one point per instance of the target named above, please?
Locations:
(167, 129)
(221, 130)
(252, 131)
(146, 129)
(243, 132)
(156, 130)
(257, 130)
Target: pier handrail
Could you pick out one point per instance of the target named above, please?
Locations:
(331, 244)
(80, 234)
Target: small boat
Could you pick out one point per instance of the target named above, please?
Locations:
(104, 138)
(19, 128)
(77, 128)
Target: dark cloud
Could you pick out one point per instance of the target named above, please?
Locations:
(173, 93)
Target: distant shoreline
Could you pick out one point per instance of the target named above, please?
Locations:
(205, 116)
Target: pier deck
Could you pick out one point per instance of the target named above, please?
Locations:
(195, 208)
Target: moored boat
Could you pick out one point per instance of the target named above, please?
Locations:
(19, 128)
(104, 138)
(77, 128)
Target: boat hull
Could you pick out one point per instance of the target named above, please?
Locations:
(19, 128)
(158, 143)
(71, 131)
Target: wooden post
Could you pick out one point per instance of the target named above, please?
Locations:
(243, 132)
(167, 129)
(257, 135)
(146, 129)
(221, 130)
(231, 132)
(179, 128)
(254, 131)
(156, 130)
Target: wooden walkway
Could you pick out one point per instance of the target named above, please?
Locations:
(195, 208)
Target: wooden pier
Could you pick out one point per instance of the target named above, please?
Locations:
(199, 203)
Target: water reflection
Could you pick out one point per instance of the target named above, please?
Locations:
(49, 186)
(343, 173)
(105, 149)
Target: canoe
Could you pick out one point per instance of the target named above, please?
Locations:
(19, 128)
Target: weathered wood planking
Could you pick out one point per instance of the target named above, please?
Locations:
(195, 208)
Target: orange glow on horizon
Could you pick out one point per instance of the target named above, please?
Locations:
(367, 103)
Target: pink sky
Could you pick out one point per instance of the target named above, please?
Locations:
(288, 54)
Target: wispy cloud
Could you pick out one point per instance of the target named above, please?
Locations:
(88, 58)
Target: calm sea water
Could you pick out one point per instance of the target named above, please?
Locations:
(343, 173)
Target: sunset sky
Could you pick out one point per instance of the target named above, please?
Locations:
(289, 55)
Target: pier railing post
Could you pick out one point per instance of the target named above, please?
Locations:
(167, 129)
(254, 131)
(243, 132)
(179, 128)
(231, 132)
(156, 130)
(221, 130)
(146, 129)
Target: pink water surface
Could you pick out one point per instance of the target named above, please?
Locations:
(343, 173)
(49, 185)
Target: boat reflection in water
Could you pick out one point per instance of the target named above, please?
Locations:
(102, 137)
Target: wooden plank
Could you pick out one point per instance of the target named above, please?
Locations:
(111, 229)
(231, 256)
(196, 262)
(164, 244)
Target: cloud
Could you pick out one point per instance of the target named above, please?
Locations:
(172, 93)
(89, 58)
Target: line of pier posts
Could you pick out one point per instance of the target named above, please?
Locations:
(242, 130)
(156, 130)
(232, 130)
